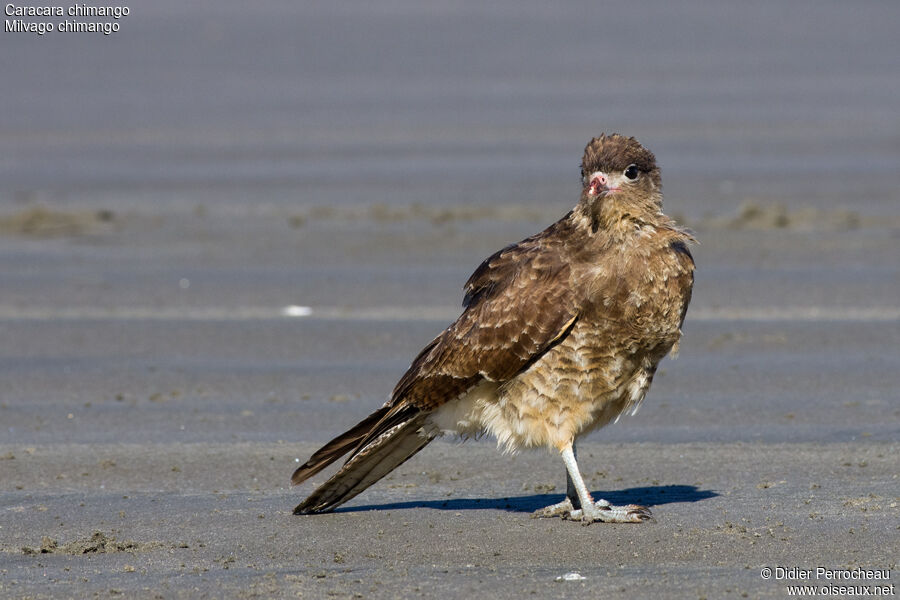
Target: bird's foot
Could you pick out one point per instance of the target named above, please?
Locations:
(601, 511)
(560, 509)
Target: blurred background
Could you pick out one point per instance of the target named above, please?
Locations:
(297, 104)
(167, 191)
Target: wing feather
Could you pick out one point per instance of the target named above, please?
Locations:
(518, 303)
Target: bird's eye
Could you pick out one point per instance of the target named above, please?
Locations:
(631, 172)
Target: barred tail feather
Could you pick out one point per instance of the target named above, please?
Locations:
(338, 447)
(372, 461)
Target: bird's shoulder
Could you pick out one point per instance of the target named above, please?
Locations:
(540, 259)
(657, 244)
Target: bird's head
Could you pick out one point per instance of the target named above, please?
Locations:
(620, 177)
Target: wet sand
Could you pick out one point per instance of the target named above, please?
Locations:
(225, 246)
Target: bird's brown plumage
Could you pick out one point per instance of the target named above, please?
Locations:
(560, 333)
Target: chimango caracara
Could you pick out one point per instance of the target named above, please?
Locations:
(560, 334)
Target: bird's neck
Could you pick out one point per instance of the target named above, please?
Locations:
(616, 221)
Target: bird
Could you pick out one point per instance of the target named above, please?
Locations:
(560, 334)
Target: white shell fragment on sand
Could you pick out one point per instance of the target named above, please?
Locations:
(573, 576)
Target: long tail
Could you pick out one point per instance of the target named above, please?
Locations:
(382, 441)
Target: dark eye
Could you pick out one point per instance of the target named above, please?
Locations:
(631, 172)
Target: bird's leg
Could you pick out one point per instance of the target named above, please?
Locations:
(571, 490)
(572, 501)
(589, 511)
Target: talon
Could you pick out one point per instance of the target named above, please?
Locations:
(639, 513)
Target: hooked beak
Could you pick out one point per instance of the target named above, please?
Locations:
(598, 183)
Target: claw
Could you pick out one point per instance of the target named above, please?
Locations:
(638, 513)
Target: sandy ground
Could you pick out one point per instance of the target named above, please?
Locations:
(225, 233)
(147, 446)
